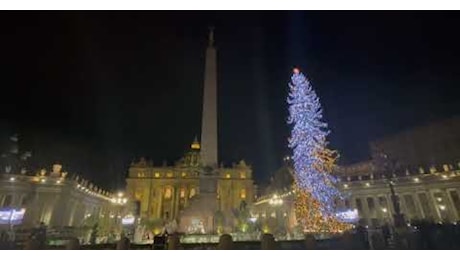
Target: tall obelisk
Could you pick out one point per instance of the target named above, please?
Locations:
(205, 204)
(209, 120)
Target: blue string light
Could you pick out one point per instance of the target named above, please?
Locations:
(308, 137)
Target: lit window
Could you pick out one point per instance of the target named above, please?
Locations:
(228, 176)
(242, 175)
(182, 193)
(169, 174)
(184, 174)
(192, 193)
(243, 193)
(157, 175)
(141, 175)
(168, 193)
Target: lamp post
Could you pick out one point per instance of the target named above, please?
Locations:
(389, 171)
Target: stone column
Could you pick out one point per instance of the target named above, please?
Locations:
(176, 202)
(149, 200)
(32, 212)
(436, 208)
(378, 209)
(457, 211)
(159, 201)
(73, 209)
(389, 206)
(402, 206)
(418, 205)
(366, 213)
(187, 193)
(172, 199)
(374, 214)
(60, 210)
(451, 211)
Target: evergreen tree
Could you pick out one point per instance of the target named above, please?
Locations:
(313, 162)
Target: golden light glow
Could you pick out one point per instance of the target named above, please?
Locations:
(228, 176)
(168, 193)
(243, 193)
(242, 175)
(265, 229)
(195, 146)
(182, 193)
(307, 209)
(184, 174)
(169, 174)
(157, 175)
(192, 193)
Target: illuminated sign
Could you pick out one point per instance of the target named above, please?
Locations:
(128, 220)
(349, 216)
(9, 216)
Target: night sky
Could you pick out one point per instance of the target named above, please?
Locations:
(94, 90)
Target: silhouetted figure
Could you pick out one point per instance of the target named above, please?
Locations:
(41, 235)
(3, 240)
(362, 236)
(386, 234)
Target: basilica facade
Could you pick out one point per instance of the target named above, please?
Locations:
(172, 192)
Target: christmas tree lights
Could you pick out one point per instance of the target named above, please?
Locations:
(316, 194)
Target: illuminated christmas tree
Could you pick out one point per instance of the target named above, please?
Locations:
(316, 194)
(308, 210)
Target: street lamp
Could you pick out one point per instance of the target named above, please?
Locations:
(398, 216)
